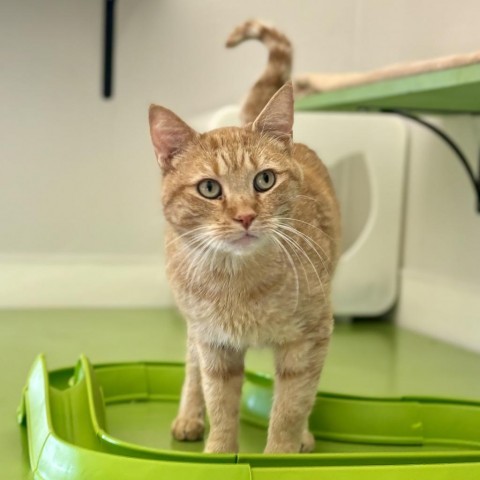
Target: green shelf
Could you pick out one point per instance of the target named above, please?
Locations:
(455, 90)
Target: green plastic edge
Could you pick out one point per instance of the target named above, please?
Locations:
(50, 455)
(53, 458)
(455, 90)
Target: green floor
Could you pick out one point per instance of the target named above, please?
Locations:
(369, 359)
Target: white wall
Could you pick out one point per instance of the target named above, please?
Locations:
(78, 182)
(440, 292)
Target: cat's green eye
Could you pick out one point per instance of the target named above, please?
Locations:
(264, 181)
(210, 189)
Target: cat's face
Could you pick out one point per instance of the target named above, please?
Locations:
(229, 188)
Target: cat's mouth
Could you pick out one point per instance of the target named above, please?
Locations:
(244, 240)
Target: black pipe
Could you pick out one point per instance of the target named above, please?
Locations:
(456, 149)
(108, 44)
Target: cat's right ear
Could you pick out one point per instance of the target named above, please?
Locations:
(170, 134)
(276, 119)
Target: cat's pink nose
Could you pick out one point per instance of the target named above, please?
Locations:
(245, 219)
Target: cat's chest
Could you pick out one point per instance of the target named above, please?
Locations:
(242, 317)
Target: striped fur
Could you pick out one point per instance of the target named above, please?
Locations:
(277, 71)
(269, 291)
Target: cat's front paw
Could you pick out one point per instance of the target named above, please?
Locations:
(284, 447)
(221, 446)
(307, 445)
(186, 429)
(308, 442)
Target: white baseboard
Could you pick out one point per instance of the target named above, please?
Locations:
(446, 309)
(438, 307)
(83, 282)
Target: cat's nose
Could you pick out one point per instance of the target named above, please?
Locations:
(245, 219)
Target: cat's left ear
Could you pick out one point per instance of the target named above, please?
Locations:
(170, 134)
(276, 119)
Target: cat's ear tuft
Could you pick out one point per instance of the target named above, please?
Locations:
(170, 134)
(276, 119)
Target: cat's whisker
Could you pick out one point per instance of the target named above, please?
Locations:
(307, 223)
(272, 231)
(309, 242)
(293, 245)
(214, 254)
(189, 247)
(189, 260)
(186, 245)
(193, 250)
(183, 252)
(292, 242)
(207, 254)
(195, 262)
(309, 198)
(309, 259)
(207, 257)
(292, 263)
(197, 238)
(188, 232)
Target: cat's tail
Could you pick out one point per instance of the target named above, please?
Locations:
(277, 72)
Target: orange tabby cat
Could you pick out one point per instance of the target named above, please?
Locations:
(252, 242)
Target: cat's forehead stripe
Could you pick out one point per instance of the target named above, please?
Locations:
(228, 153)
(241, 157)
(226, 161)
(221, 163)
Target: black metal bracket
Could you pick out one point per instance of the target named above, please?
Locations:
(474, 179)
(108, 50)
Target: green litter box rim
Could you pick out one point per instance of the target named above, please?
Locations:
(54, 411)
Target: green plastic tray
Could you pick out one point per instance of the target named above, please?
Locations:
(112, 421)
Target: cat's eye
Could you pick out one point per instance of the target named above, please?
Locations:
(210, 189)
(264, 181)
